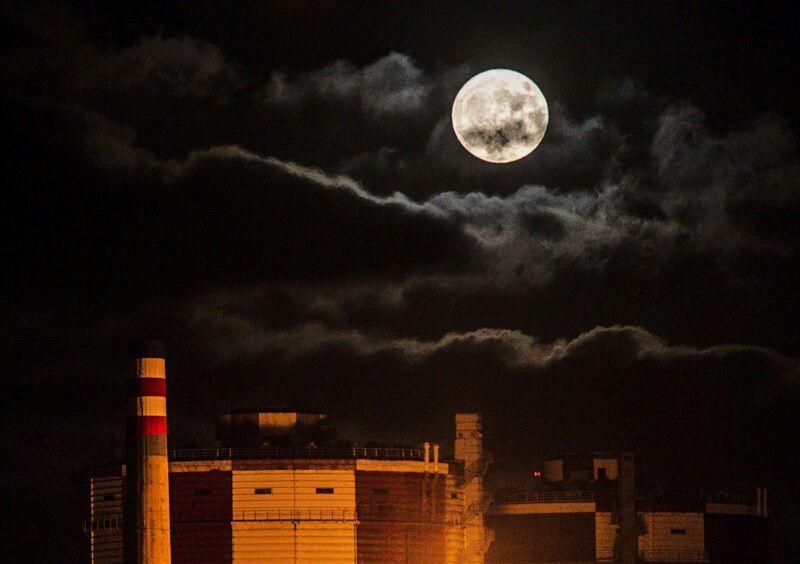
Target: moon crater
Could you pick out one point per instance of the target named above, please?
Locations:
(500, 116)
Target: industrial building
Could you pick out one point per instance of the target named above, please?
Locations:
(273, 499)
(280, 486)
(576, 513)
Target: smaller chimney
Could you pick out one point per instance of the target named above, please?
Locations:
(436, 457)
(427, 447)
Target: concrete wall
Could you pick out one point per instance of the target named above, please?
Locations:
(403, 517)
(300, 511)
(610, 465)
(672, 536)
(105, 509)
(541, 537)
(292, 515)
(200, 505)
(736, 538)
(605, 533)
(293, 541)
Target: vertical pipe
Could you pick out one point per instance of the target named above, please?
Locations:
(147, 523)
(427, 447)
(764, 510)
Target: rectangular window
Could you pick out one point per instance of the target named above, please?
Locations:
(202, 492)
(453, 495)
(324, 490)
(380, 491)
(263, 491)
(678, 531)
(108, 497)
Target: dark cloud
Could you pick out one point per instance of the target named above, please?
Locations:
(393, 84)
(619, 387)
(180, 68)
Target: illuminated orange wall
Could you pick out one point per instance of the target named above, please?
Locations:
(272, 511)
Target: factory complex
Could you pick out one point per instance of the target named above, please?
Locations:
(280, 486)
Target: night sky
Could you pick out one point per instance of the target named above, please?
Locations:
(275, 189)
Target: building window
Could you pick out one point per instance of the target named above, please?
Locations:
(202, 492)
(324, 490)
(263, 491)
(453, 495)
(380, 491)
(678, 531)
(601, 474)
(108, 497)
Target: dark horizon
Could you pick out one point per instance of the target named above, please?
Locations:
(277, 192)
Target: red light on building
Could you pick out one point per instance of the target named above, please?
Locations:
(537, 474)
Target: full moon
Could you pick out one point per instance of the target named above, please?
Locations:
(500, 115)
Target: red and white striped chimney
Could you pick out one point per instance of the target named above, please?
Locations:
(147, 525)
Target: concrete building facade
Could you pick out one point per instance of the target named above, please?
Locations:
(298, 504)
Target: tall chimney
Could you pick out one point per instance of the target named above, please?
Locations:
(147, 537)
(469, 449)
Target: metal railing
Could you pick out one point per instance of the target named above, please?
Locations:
(291, 514)
(245, 453)
(659, 555)
(362, 513)
(103, 524)
(723, 497)
(544, 497)
(673, 555)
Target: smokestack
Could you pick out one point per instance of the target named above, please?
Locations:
(147, 537)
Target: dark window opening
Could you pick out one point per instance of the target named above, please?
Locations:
(678, 531)
(324, 490)
(601, 474)
(454, 495)
(202, 492)
(380, 491)
(263, 491)
(108, 497)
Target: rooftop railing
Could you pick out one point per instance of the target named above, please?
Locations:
(607, 555)
(723, 497)
(654, 555)
(249, 453)
(544, 497)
